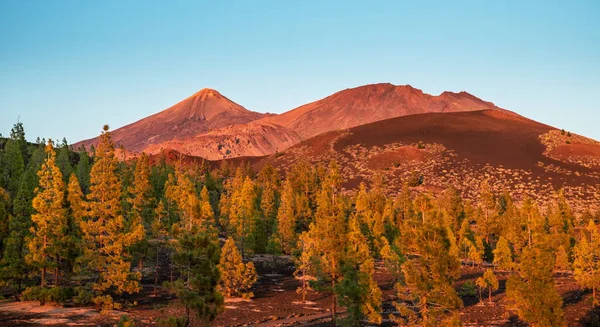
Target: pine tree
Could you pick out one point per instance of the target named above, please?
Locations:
(489, 281)
(104, 229)
(141, 211)
(453, 207)
(358, 290)
(269, 183)
(75, 200)
(487, 222)
(82, 171)
(562, 260)
(64, 162)
(466, 238)
(13, 167)
(393, 258)
(207, 215)
(587, 261)
(237, 277)
(242, 217)
(475, 255)
(329, 231)
(17, 134)
(286, 218)
(47, 243)
(13, 266)
(503, 255)
(533, 291)
(427, 296)
(4, 218)
(304, 263)
(181, 197)
(76, 210)
(197, 256)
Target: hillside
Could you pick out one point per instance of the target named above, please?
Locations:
(341, 110)
(461, 149)
(204, 111)
(371, 103)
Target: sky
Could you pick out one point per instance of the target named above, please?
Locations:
(69, 67)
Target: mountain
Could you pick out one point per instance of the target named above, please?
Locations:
(256, 138)
(341, 110)
(459, 149)
(370, 103)
(202, 112)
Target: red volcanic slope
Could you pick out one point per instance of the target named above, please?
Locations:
(203, 111)
(489, 137)
(370, 103)
(344, 109)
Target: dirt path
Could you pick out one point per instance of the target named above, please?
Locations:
(31, 313)
(294, 321)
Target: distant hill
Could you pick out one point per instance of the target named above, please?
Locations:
(460, 149)
(344, 109)
(202, 112)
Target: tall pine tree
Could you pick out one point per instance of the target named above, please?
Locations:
(48, 241)
(104, 229)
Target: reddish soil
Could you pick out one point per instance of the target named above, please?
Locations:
(566, 151)
(276, 303)
(388, 158)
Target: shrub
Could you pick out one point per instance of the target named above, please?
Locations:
(125, 321)
(468, 289)
(83, 296)
(415, 179)
(105, 303)
(53, 294)
(172, 321)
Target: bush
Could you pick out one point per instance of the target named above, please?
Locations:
(172, 322)
(420, 145)
(105, 303)
(53, 294)
(415, 179)
(468, 289)
(125, 321)
(83, 296)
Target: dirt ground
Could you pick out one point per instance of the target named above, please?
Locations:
(276, 303)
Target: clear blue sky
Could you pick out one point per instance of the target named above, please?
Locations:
(68, 67)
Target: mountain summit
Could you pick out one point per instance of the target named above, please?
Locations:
(209, 125)
(201, 112)
(371, 103)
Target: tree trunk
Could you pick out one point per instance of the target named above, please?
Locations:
(43, 284)
(490, 294)
(424, 311)
(303, 289)
(333, 303)
(56, 276)
(156, 273)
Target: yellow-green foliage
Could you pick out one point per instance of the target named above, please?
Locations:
(48, 233)
(237, 277)
(104, 230)
(533, 291)
(562, 259)
(489, 281)
(503, 255)
(587, 261)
